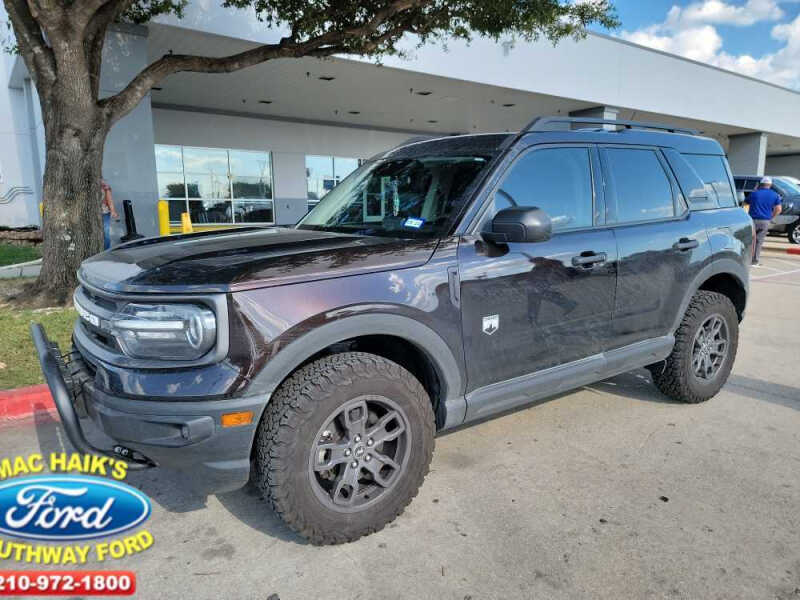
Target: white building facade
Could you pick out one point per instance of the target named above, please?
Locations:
(263, 145)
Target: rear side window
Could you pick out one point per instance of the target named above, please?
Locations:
(695, 189)
(712, 171)
(638, 188)
(557, 180)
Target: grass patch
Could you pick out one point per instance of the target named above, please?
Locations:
(11, 254)
(19, 365)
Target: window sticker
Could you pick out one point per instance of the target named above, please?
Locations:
(414, 223)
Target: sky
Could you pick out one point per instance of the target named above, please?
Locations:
(760, 38)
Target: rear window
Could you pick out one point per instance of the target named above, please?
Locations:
(712, 171)
(638, 187)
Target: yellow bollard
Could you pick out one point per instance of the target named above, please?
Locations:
(163, 217)
(186, 223)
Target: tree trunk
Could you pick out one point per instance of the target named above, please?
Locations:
(72, 224)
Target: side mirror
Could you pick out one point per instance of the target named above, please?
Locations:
(740, 197)
(520, 224)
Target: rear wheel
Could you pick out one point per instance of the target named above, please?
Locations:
(704, 351)
(344, 445)
(794, 232)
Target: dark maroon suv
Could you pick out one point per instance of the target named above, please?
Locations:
(442, 282)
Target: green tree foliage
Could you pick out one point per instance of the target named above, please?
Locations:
(61, 42)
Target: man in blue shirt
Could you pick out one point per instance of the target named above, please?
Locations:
(765, 205)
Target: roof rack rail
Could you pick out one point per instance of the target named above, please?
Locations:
(547, 123)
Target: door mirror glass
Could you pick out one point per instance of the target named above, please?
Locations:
(520, 224)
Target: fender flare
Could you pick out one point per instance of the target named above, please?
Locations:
(723, 266)
(282, 364)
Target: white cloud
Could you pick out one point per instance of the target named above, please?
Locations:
(698, 43)
(718, 12)
(690, 32)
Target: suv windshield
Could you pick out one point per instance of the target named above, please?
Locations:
(403, 197)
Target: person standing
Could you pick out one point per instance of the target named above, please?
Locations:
(108, 211)
(765, 205)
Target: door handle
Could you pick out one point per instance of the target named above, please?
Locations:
(686, 244)
(589, 259)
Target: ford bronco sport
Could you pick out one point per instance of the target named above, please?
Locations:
(442, 282)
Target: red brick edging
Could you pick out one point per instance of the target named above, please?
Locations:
(24, 402)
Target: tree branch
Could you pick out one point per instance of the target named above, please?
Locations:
(37, 54)
(103, 17)
(326, 44)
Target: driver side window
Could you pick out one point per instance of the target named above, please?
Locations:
(557, 180)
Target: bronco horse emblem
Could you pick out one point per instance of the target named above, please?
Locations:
(491, 324)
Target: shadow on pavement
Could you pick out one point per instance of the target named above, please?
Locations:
(171, 489)
(759, 389)
(249, 507)
(637, 385)
(49, 434)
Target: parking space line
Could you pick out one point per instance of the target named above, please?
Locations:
(776, 274)
(788, 263)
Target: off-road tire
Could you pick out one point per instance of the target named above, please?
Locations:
(289, 426)
(793, 233)
(674, 376)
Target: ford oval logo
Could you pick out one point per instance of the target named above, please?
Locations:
(69, 507)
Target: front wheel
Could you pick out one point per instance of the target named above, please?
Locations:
(344, 446)
(794, 233)
(704, 351)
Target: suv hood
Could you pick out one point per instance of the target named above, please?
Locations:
(246, 258)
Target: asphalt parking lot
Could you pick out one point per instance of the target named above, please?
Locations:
(611, 491)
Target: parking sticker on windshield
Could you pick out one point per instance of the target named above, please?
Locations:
(414, 223)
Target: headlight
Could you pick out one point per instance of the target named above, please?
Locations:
(164, 331)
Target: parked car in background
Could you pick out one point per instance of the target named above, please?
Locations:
(788, 189)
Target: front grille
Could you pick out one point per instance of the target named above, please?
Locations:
(100, 338)
(99, 300)
(101, 307)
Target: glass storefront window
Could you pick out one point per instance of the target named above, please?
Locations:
(216, 185)
(253, 211)
(207, 186)
(171, 185)
(210, 211)
(169, 158)
(251, 187)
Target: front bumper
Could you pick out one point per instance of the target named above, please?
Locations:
(183, 435)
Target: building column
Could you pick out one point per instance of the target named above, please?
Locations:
(747, 153)
(597, 112)
(784, 164)
(129, 164)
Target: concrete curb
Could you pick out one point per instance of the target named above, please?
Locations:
(21, 404)
(26, 269)
(781, 251)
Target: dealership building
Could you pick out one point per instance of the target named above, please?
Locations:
(264, 144)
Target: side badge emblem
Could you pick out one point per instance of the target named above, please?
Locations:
(491, 324)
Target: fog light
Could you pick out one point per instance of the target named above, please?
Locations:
(237, 418)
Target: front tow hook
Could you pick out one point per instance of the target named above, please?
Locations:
(51, 363)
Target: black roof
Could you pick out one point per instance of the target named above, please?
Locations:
(488, 144)
(491, 144)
